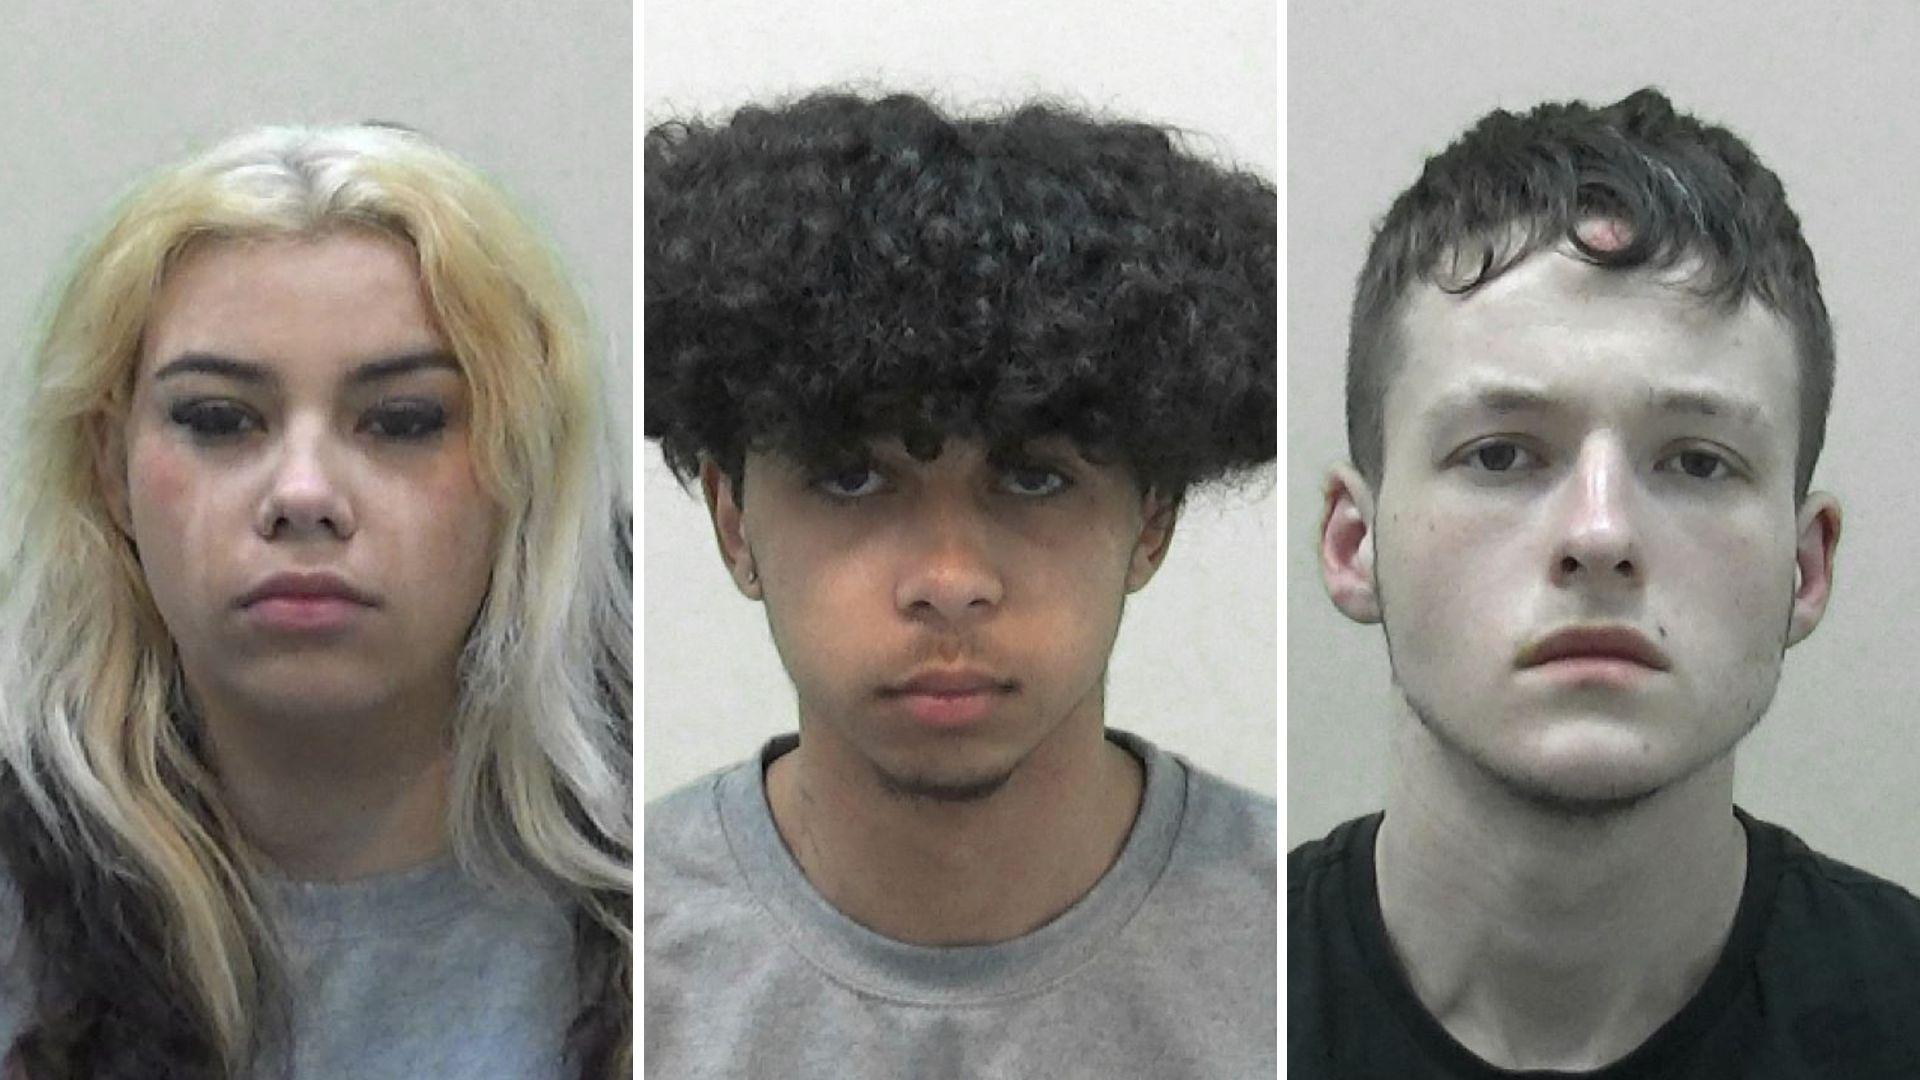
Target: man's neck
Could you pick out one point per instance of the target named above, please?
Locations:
(930, 872)
(1542, 940)
(338, 797)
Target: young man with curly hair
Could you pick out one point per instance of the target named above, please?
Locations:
(944, 384)
(1588, 381)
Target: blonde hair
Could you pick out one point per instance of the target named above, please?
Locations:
(90, 723)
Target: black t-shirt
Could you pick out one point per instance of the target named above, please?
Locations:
(1820, 978)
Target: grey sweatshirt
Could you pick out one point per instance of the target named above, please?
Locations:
(413, 974)
(1164, 971)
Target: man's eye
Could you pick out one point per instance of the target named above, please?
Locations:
(1032, 481)
(213, 419)
(407, 421)
(1698, 464)
(852, 482)
(1500, 456)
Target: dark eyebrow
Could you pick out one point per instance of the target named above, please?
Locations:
(251, 371)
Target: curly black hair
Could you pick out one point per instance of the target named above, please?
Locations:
(839, 269)
(1517, 183)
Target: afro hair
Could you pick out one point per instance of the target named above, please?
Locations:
(840, 269)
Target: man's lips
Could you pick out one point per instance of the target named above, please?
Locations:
(948, 682)
(1595, 643)
(949, 698)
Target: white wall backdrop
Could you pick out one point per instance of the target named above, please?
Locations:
(1195, 666)
(1826, 94)
(539, 96)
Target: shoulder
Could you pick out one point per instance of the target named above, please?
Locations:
(1225, 814)
(687, 845)
(1223, 841)
(1317, 862)
(1838, 963)
(1841, 949)
(1820, 894)
(686, 810)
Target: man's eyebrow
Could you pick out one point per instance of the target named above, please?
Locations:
(252, 371)
(1503, 399)
(1499, 398)
(1706, 403)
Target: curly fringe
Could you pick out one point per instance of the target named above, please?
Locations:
(837, 269)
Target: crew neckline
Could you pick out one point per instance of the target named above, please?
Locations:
(877, 965)
(1669, 1044)
(377, 904)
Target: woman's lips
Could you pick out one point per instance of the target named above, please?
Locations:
(304, 614)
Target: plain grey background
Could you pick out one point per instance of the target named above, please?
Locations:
(537, 96)
(1195, 666)
(1826, 95)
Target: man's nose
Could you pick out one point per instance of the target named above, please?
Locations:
(1598, 536)
(949, 570)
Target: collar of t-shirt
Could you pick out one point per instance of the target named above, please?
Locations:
(950, 975)
(1663, 1049)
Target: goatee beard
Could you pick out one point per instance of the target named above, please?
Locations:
(931, 789)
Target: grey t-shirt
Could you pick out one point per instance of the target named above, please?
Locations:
(1164, 971)
(418, 973)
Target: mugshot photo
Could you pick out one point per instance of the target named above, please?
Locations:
(315, 622)
(1599, 757)
(959, 377)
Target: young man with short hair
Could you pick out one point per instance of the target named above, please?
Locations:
(1588, 381)
(944, 384)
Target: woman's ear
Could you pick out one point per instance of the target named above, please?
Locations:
(107, 440)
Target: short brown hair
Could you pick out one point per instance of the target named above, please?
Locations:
(1517, 183)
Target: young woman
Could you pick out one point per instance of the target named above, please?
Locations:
(315, 752)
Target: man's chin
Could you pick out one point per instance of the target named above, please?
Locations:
(1580, 798)
(942, 788)
(1589, 772)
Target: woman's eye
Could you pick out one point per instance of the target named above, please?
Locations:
(1699, 464)
(852, 482)
(1500, 456)
(213, 419)
(407, 421)
(1032, 481)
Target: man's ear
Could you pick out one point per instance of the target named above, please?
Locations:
(108, 440)
(1818, 535)
(729, 528)
(1159, 515)
(1346, 545)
